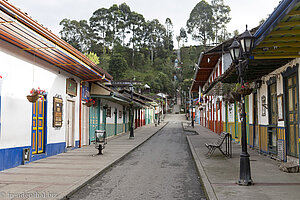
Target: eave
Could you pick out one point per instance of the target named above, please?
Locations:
(20, 30)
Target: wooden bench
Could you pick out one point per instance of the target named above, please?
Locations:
(218, 145)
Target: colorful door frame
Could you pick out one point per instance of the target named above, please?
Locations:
(290, 71)
(38, 131)
(116, 121)
(94, 122)
(272, 115)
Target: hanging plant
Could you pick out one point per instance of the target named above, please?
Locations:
(245, 89)
(34, 94)
(89, 102)
(229, 98)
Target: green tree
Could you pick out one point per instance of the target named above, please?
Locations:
(124, 21)
(136, 23)
(220, 19)
(93, 57)
(183, 35)
(99, 23)
(77, 33)
(117, 66)
(168, 40)
(200, 22)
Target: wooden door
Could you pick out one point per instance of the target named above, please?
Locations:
(116, 121)
(94, 122)
(38, 126)
(292, 115)
(84, 125)
(273, 115)
(255, 121)
(70, 135)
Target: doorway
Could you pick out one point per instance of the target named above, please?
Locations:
(273, 115)
(255, 121)
(38, 126)
(70, 135)
(292, 115)
(84, 125)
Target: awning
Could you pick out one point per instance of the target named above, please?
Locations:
(103, 92)
(20, 30)
(206, 65)
(277, 43)
(112, 99)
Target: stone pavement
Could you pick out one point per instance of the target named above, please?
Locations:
(220, 174)
(58, 176)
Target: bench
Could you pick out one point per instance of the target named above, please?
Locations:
(224, 136)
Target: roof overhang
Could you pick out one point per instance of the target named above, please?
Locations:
(22, 31)
(279, 36)
(276, 44)
(206, 65)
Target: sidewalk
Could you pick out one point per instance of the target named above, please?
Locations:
(219, 174)
(58, 176)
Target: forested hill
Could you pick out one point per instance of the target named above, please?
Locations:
(131, 47)
(127, 45)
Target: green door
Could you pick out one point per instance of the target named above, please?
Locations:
(226, 117)
(247, 118)
(124, 120)
(236, 120)
(292, 115)
(94, 120)
(116, 121)
(104, 119)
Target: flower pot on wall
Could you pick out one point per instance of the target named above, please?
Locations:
(32, 98)
(245, 91)
(89, 104)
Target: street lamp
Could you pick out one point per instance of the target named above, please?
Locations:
(240, 52)
(131, 136)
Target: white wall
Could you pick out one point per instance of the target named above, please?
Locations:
(21, 72)
(111, 120)
(263, 120)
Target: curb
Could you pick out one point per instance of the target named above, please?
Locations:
(210, 193)
(82, 183)
(188, 130)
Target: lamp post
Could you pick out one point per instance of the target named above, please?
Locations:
(131, 136)
(240, 52)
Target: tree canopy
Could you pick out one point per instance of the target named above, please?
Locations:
(207, 22)
(127, 44)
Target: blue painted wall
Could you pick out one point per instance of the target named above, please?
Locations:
(12, 157)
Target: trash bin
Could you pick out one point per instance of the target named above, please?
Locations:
(100, 140)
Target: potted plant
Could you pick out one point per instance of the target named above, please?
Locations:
(89, 102)
(34, 94)
(234, 92)
(245, 89)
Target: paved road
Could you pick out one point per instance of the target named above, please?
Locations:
(162, 168)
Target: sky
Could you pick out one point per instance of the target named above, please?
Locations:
(51, 12)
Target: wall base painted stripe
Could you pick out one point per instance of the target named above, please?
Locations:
(12, 157)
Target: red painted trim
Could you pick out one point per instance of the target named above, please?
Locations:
(216, 121)
(80, 104)
(213, 117)
(220, 68)
(221, 126)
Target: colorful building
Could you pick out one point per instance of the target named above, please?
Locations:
(33, 57)
(272, 108)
